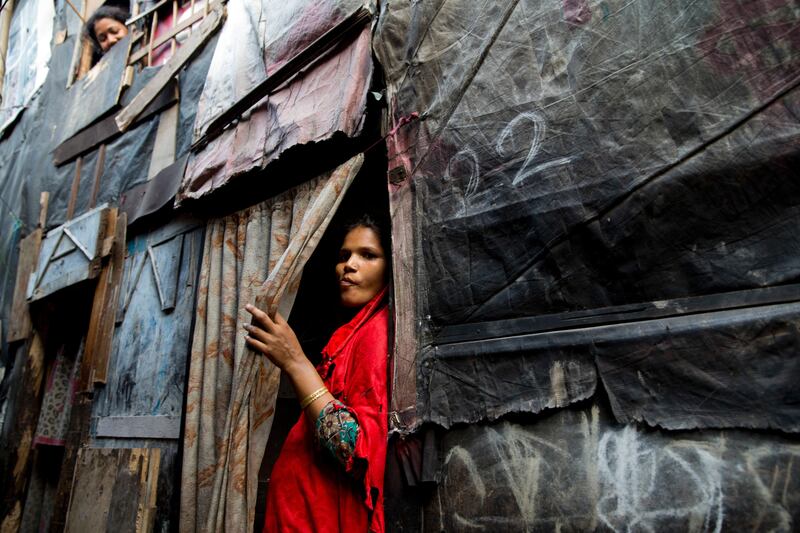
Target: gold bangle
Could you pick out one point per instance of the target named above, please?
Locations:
(308, 400)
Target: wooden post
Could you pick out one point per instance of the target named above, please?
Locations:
(98, 173)
(94, 367)
(174, 41)
(152, 38)
(73, 194)
(20, 326)
(163, 154)
(5, 26)
(24, 403)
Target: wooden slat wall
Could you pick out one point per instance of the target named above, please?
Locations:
(151, 342)
(114, 490)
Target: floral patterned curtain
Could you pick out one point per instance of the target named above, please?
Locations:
(255, 255)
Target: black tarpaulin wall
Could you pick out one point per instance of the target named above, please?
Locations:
(580, 164)
(26, 161)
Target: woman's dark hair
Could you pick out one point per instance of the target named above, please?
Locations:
(103, 12)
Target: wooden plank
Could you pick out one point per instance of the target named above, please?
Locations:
(5, 26)
(94, 366)
(97, 93)
(56, 271)
(186, 24)
(147, 373)
(163, 154)
(149, 47)
(44, 202)
(19, 326)
(607, 316)
(145, 12)
(21, 418)
(139, 427)
(191, 47)
(98, 173)
(114, 490)
(73, 194)
(95, 473)
(106, 130)
(77, 438)
(350, 26)
(406, 343)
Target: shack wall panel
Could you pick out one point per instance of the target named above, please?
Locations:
(147, 367)
(578, 470)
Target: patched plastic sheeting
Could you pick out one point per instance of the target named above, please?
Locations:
(486, 380)
(577, 470)
(575, 156)
(329, 97)
(737, 368)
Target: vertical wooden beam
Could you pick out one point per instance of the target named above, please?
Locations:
(94, 367)
(44, 202)
(151, 38)
(20, 326)
(5, 26)
(404, 368)
(77, 437)
(73, 194)
(174, 41)
(24, 403)
(98, 173)
(163, 154)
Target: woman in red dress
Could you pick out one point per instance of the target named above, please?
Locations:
(329, 474)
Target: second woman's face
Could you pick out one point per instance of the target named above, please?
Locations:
(361, 269)
(108, 31)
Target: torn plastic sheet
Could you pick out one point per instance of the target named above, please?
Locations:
(476, 381)
(257, 38)
(575, 155)
(329, 97)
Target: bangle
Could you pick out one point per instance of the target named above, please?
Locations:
(308, 400)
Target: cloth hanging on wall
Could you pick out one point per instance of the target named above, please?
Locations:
(58, 397)
(231, 393)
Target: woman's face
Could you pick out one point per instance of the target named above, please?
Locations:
(108, 31)
(361, 269)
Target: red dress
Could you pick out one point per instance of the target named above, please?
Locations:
(307, 490)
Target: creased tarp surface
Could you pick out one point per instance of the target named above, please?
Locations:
(577, 470)
(729, 369)
(257, 38)
(580, 155)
